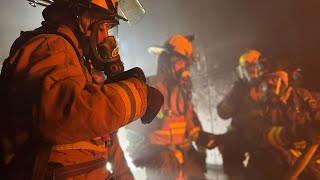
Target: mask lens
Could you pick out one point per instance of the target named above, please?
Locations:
(105, 30)
(104, 40)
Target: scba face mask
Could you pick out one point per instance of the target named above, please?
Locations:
(104, 51)
(181, 71)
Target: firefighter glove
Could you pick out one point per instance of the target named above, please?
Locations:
(155, 100)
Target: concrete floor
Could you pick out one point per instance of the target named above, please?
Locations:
(215, 173)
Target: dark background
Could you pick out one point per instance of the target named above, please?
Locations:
(224, 28)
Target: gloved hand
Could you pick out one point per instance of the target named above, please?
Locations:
(155, 98)
(209, 140)
(155, 101)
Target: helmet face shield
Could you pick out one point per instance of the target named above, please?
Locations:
(248, 72)
(248, 65)
(132, 10)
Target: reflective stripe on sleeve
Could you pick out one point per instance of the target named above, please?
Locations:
(137, 98)
(95, 144)
(274, 136)
(126, 100)
(174, 125)
(194, 131)
(131, 99)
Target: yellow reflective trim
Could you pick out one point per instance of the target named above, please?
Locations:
(137, 98)
(179, 156)
(178, 131)
(300, 144)
(277, 136)
(271, 137)
(278, 86)
(170, 132)
(97, 138)
(160, 137)
(178, 125)
(163, 132)
(82, 145)
(125, 98)
(194, 131)
(160, 114)
(295, 153)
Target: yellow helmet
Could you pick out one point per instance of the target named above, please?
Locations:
(247, 69)
(249, 57)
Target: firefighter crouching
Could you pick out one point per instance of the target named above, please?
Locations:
(291, 120)
(55, 114)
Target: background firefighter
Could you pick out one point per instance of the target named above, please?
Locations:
(290, 119)
(164, 147)
(55, 114)
(240, 104)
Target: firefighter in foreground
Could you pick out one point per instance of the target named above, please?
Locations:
(54, 113)
(163, 147)
(240, 105)
(291, 121)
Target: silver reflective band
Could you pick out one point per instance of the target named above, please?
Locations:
(40, 2)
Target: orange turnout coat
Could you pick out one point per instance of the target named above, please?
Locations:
(52, 97)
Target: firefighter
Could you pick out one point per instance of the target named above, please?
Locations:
(291, 120)
(164, 146)
(54, 112)
(239, 105)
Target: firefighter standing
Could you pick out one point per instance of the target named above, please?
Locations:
(165, 144)
(240, 104)
(55, 113)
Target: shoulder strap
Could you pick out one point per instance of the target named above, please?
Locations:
(80, 58)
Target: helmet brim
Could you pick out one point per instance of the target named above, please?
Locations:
(156, 50)
(107, 12)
